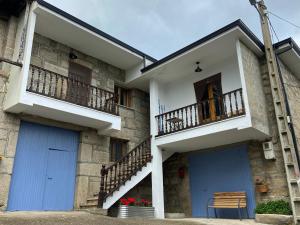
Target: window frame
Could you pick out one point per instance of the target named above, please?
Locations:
(112, 148)
(120, 93)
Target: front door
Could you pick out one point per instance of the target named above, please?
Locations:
(209, 98)
(44, 169)
(78, 84)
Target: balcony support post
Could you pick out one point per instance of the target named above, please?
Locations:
(157, 162)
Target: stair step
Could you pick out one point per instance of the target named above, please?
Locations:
(92, 199)
(88, 205)
(296, 199)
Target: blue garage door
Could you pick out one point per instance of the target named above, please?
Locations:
(44, 169)
(226, 170)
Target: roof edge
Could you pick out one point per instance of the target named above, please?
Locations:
(289, 41)
(94, 29)
(238, 23)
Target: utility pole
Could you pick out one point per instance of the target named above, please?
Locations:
(285, 127)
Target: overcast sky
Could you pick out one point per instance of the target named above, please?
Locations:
(160, 27)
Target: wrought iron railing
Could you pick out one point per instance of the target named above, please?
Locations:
(121, 171)
(54, 85)
(222, 107)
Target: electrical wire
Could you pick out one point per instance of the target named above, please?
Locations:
(285, 20)
(272, 28)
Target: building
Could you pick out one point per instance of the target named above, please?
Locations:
(74, 98)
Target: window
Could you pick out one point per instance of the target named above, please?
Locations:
(123, 96)
(118, 148)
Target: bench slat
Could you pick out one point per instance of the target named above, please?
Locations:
(229, 200)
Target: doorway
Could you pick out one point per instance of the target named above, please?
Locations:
(209, 98)
(79, 84)
(44, 169)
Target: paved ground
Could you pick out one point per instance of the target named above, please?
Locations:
(83, 218)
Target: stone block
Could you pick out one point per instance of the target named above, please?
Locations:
(3, 144)
(12, 143)
(6, 165)
(3, 133)
(57, 69)
(88, 169)
(4, 189)
(81, 193)
(129, 123)
(85, 152)
(49, 55)
(94, 187)
(274, 219)
(100, 157)
(90, 137)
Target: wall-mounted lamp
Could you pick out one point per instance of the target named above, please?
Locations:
(72, 55)
(198, 69)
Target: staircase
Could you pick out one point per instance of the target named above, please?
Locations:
(117, 179)
(122, 176)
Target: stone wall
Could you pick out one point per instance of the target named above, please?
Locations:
(263, 118)
(9, 123)
(177, 190)
(255, 92)
(3, 30)
(271, 171)
(9, 127)
(292, 86)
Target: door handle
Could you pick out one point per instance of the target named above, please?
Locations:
(49, 178)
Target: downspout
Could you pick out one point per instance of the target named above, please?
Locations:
(287, 106)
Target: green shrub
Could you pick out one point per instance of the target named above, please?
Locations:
(274, 207)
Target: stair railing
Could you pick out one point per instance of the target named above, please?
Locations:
(122, 170)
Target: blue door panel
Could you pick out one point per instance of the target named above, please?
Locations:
(57, 193)
(224, 170)
(38, 155)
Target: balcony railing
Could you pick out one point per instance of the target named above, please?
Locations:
(53, 85)
(219, 108)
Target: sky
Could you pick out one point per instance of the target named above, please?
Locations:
(160, 27)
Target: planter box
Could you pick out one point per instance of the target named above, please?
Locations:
(135, 211)
(274, 219)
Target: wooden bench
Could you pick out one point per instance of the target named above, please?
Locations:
(228, 200)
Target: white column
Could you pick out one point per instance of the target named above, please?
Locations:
(157, 169)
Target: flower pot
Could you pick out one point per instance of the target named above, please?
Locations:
(274, 219)
(135, 211)
(262, 188)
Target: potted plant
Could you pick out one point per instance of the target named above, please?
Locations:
(132, 207)
(274, 212)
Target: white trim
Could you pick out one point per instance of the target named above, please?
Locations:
(201, 45)
(243, 81)
(40, 7)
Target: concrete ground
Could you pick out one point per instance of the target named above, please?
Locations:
(84, 218)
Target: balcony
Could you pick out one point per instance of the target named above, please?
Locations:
(53, 85)
(220, 108)
(54, 96)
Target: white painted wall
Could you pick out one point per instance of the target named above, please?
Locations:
(179, 93)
